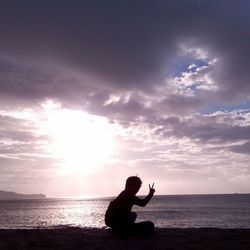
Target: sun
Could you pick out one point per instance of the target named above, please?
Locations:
(82, 141)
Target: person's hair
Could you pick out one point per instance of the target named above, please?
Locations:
(133, 181)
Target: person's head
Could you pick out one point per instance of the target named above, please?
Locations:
(133, 184)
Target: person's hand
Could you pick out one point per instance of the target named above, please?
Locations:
(151, 189)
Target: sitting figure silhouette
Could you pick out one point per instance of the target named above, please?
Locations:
(119, 216)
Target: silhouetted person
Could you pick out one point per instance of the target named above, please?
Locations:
(119, 216)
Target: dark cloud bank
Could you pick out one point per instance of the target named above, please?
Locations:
(128, 44)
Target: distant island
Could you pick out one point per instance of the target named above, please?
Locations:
(5, 195)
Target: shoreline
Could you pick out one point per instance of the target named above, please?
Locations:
(94, 238)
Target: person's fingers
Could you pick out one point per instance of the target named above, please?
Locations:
(149, 186)
(153, 185)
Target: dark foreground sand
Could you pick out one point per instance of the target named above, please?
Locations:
(78, 238)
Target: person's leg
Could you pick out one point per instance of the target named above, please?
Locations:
(144, 228)
(124, 226)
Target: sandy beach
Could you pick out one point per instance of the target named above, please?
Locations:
(79, 238)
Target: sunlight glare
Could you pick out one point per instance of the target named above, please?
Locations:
(83, 141)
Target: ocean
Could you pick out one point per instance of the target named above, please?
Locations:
(168, 211)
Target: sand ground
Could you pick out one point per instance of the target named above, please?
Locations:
(83, 238)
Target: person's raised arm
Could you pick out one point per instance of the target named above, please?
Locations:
(144, 202)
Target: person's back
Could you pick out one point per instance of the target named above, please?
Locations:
(119, 216)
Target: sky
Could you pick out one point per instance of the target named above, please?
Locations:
(94, 91)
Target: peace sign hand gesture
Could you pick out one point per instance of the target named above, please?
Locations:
(151, 189)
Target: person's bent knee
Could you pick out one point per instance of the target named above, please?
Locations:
(149, 225)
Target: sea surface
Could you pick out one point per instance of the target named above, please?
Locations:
(171, 211)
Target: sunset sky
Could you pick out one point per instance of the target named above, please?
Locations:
(94, 91)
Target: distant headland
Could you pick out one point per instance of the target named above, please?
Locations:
(6, 195)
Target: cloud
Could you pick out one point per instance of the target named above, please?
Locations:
(215, 128)
(129, 45)
(242, 149)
